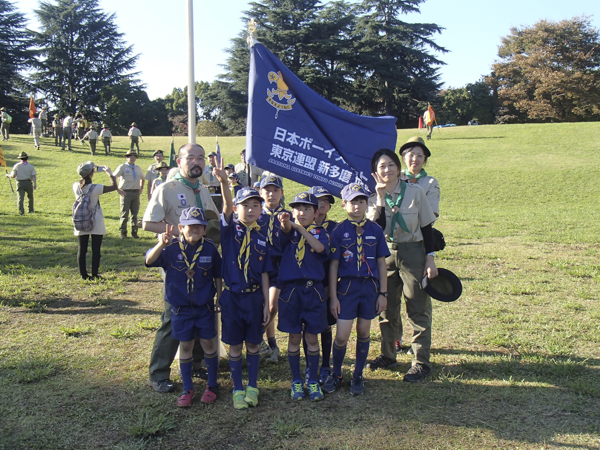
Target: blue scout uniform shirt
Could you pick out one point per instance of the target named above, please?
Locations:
(329, 226)
(343, 248)
(207, 267)
(232, 236)
(312, 265)
(263, 222)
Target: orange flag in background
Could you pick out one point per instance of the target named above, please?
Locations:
(2, 160)
(32, 109)
(429, 116)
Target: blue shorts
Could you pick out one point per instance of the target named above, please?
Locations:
(302, 306)
(274, 274)
(242, 317)
(187, 322)
(358, 298)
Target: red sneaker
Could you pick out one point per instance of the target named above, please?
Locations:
(210, 395)
(185, 399)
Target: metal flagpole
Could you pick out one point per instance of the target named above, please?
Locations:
(191, 84)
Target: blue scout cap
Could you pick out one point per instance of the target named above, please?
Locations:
(256, 185)
(271, 180)
(320, 191)
(192, 216)
(353, 190)
(234, 176)
(230, 166)
(246, 193)
(304, 198)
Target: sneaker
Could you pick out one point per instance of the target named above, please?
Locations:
(274, 356)
(314, 392)
(399, 346)
(185, 399)
(297, 390)
(238, 400)
(323, 375)
(161, 385)
(382, 362)
(210, 394)
(332, 383)
(251, 396)
(357, 386)
(416, 373)
(264, 349)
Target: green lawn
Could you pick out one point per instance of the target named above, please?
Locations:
(516, 358)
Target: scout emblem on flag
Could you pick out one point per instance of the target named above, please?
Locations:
(282, 92)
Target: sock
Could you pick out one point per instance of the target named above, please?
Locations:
(294, 360)
(235, 367)
(338, 359)
(252, 360)
(272, 342)
(313, 366)
(362, 351)
(212, 364)
(304, 347)
(185, 365)
(326, 342)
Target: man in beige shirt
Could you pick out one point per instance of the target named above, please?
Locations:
(131, 185)
(152, 174)
(26, 177)
(164, 208)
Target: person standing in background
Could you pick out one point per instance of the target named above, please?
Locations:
(135, 135)
(67, 130)
(131, 182)
(26, 177)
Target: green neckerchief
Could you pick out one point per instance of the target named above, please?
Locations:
(194, 187)
(421, 174)
(397, 217)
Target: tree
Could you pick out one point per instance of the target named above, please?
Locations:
(80, 52)
(549, 72)
(14, 56)
(474, 101)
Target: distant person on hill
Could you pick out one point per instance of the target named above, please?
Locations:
(131, 184)
(43, 116)
(6, 120)
(26, 177)
(92, 137)
(81, 127)
(57, 129)
(135, 135)
(36, 129)
(152, 173)
(67, 130)
(241, 169)
(106, 137)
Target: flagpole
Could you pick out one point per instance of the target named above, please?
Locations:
(191, 84)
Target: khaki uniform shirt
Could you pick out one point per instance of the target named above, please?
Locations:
(151, 174)
(23, 171)
(415, 210)
(37, 123)
(125, 175)
(105, 133)
(91, 135)
(432, 191)
(67, 122)
(135, 132)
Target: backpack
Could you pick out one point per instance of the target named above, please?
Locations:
(438, 240)
(84, 215)
(8, 118)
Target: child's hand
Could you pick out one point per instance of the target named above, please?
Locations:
(381, 304)
(220, 173)
(166, 237)
(284, 219)
(334, 306)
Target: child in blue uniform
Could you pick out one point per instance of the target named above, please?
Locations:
(357, 282)
(302, 305)
(192, 266)
(270, 227)
(325, 199)
(245, 300)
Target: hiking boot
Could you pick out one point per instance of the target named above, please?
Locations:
(238, 400)
(264, 349)
(251, 396)
(134, 235)
(210, 394)
(332, 383)
(323, 375)
(314, 392)
(185, 399)
(274, 356)
(417, 373)
(382, 362)
(357, 386)
(161, 385)
(123, 236)
(297, 390)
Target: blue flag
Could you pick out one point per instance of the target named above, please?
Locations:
(296, 133)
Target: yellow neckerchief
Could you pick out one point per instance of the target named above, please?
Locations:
(272, 215)
(244, 256)
(301, 247)
(359, 240)
(190, 266)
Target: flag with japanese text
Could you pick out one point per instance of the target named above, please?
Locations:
(297, 134)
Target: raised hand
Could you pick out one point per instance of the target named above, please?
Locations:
(166, 237)
(219, 171)
(380, 185)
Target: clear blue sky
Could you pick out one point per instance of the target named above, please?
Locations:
(158, 31)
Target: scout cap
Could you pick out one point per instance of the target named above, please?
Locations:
(246, 193)
(446, 287)
(304, 198)
(415, 141)
(133, 124)
(230, 166)
(353, 190)
(157, 151)
(84, 169)
(162, 165)
(320, 191)
(131, 153)
(104, 125)
(256, 185)
(234, 176)
(192, 216)
(271, 180)
(23, 155)
(3, 109)
(212, 154)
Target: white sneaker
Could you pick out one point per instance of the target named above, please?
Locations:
(265, 350)
(274, 358)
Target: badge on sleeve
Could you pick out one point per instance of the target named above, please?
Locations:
(181, 197)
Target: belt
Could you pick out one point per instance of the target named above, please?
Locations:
(27, 179)
(252, 288)
(404, 245)
(306, 283)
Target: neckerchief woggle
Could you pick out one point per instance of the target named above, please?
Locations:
(190, 266)
(194, 187)
(397, 217)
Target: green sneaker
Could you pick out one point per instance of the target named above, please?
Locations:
(251, 396)
(314, 392)
(297, 390)
(238, 400)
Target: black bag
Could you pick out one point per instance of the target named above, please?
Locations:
(438, 240)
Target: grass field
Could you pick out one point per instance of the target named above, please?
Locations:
(516, 360)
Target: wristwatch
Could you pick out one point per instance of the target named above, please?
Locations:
(384, 294)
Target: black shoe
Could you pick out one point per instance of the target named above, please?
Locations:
(123, 236)
(331, 384)
(201, 373)
(382, 362)
(134, 235)
(416, 373)
(162, 385)
(357, 386)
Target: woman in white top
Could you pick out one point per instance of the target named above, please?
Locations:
(83, 186)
